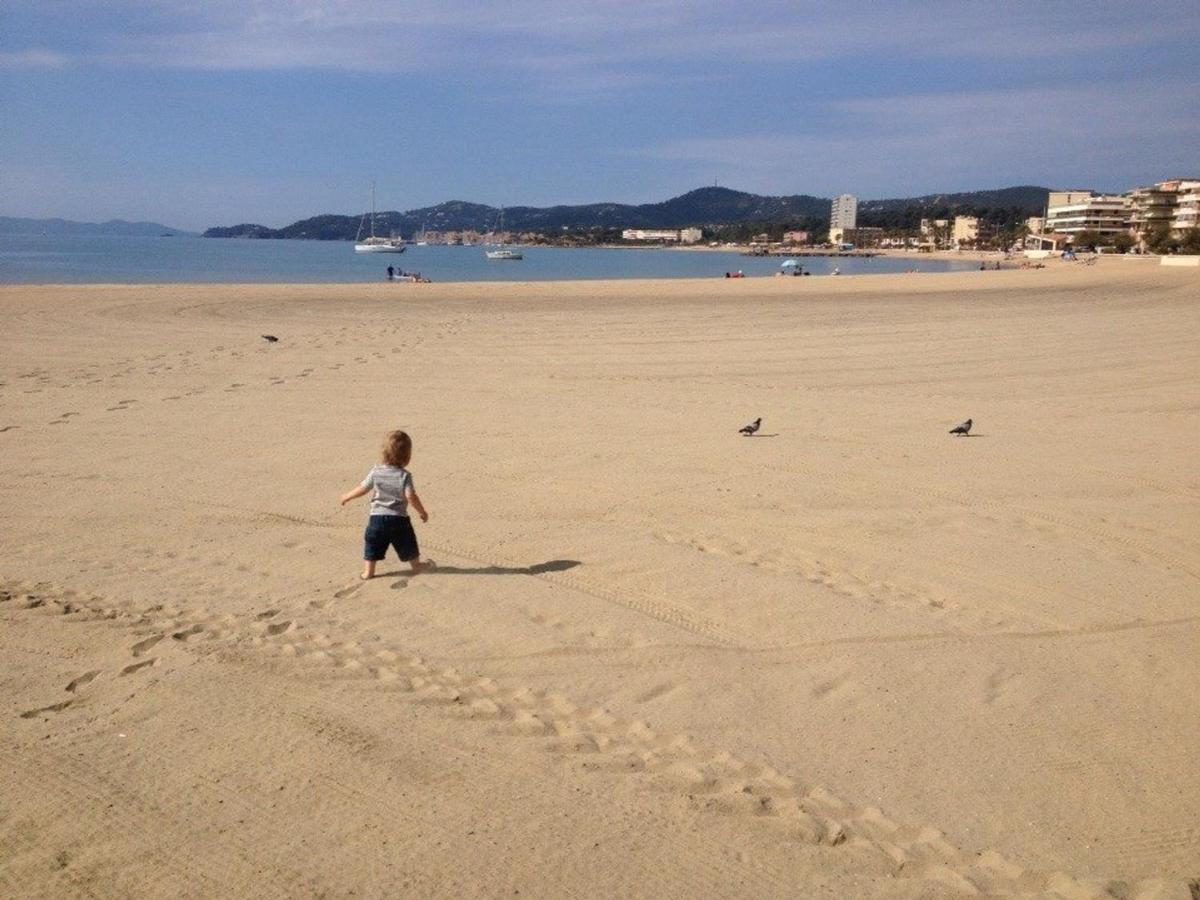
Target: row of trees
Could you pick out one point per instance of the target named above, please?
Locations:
(1159, 239)
(999, 235)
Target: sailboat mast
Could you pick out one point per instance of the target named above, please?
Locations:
(372, 207)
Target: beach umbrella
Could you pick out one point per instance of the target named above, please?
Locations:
(788, 264)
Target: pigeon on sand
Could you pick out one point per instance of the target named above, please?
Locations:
(751, 428)
(963, 429)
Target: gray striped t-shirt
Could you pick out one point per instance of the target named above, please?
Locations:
(390, 483)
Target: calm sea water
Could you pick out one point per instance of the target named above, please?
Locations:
(41, 259)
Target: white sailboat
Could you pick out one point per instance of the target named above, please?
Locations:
(504, 252)
(375, 244)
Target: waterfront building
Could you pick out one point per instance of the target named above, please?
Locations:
(1187, 208)
(650, 234)
(1035, 224)
(795, 237)
(843, 214)
(966, 230)
(935, 232)
(1152, 207)
(1070, 212)
(663, 235)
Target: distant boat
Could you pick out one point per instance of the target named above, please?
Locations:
(504, 252)
(375, 244)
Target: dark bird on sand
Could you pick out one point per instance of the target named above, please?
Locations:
(751, 428)
(270, 339)
(963, 429)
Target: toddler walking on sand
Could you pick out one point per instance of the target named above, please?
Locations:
(389, 524)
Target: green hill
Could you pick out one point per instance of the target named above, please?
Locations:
(709, 207)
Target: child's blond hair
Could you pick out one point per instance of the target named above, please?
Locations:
(397, 449)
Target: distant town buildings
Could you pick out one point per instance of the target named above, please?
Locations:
(1155, 217)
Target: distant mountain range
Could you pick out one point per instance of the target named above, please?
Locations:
(710, 206)
(114, 227)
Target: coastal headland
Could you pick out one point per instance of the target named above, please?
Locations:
(852, 655)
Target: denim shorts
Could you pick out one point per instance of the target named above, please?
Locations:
(390, 531)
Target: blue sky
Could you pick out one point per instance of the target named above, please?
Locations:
(220, 112)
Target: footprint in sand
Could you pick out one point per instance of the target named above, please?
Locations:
(138, 666)
(401, 583)
(188, 633)
(83, 679)
(655, 693)
(53, 708)
(347, 591)
(279, 628)
(142, 646)
(270, 613)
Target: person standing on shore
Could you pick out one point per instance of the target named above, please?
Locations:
(388, 524)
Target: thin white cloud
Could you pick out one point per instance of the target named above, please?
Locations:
(33, 59)
(601, 35)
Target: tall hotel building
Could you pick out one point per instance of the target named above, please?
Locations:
(843, 216)
(845, 212)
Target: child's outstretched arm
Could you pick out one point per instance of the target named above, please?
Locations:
(353, 493)
(412, 498)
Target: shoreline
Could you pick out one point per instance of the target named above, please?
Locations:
(1014, 264)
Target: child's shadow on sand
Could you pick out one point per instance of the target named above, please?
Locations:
(554, 565)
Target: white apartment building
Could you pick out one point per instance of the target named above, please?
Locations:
(1070, 212)
(1187, 208)
(966, 229)
(672, 235)
(844, 212)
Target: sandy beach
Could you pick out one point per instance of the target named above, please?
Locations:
(852, 656)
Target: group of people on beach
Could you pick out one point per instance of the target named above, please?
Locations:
(394, 274)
